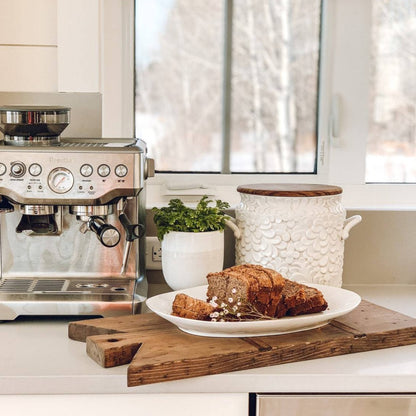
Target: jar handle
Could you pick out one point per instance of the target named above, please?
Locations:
(348, 224)
(231, 223)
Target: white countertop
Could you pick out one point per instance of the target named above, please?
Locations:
(37, 357)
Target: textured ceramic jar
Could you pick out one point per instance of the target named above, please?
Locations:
(298, 230)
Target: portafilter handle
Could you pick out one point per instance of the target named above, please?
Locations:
(133, 232)
(107, 234)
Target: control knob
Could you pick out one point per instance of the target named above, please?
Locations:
(17, 169)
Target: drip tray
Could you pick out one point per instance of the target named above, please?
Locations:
(102, 289)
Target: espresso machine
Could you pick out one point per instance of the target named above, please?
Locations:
(72, 220)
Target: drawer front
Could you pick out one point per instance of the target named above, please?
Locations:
(330, 405)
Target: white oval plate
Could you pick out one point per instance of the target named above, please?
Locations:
(340, 302)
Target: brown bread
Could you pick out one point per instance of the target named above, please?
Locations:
(293, 294)
(264, 289)
(188, 307)
(261, 286)
(313, 303)
(257, 285)
(231, 284)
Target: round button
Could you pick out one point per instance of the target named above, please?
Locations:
(2, 169)
(121, 171)
(17, 169)
(35, 169)
(86, 170)
(103, 170)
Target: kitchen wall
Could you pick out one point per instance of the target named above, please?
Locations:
(40, 54)
(86, 109)
(28, 45)
(382, 248)
(68, 46)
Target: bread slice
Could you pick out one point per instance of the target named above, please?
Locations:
(261, 284)
(188, 307)
(254, 284)
(293, 294)
(227, 285)
(278, 285)
(314, 302)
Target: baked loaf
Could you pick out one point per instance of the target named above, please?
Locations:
(258, 291)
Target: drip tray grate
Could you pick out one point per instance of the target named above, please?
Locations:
(15, 285)
(65, 286)
(31, 285)
(49, 285)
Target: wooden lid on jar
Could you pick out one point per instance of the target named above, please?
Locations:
(289, 189)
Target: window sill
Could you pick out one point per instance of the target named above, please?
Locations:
(380, 197)
(368, 197)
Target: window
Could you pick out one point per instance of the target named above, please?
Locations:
(391, 145)
(361, 135)
(228, 86)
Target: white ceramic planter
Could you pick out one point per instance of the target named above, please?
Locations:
(298, 230)
(188, 257)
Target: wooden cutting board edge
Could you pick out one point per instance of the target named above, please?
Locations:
(139, 373)
(111, 341)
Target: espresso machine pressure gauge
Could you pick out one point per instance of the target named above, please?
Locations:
(60, 180)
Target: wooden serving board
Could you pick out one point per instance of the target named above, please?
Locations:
(158, 351)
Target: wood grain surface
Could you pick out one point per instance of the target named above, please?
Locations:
(157, 351)
(289, 189)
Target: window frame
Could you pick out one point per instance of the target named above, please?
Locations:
(342, 122)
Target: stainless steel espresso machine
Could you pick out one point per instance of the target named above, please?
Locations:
(72, 218)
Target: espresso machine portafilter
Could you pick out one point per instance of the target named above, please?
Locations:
(72, 220)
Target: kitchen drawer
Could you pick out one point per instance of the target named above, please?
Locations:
(332, 404)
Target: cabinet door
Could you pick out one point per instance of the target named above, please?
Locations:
(330, 405)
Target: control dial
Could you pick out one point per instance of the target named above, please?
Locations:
(103, 170)
(86, 170)
(17, 169)
(3, 169)
(35, 169)
(60, 180)
(121, 171)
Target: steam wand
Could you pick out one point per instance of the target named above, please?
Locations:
(133, 232)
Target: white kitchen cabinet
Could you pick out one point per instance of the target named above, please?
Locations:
(114, 404)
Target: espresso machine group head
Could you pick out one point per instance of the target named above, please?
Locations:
(72, 220)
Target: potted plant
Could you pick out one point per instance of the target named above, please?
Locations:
(192, 240)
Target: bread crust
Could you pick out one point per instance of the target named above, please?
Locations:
(188, 307)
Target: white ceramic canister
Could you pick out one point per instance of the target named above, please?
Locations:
(298, 230)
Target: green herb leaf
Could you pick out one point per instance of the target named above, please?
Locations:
(178, 217)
